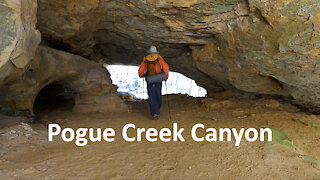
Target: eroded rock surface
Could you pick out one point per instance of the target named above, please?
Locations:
(265, 47)
(279, 55)
(118, 29)
(89, 80)
(19, 37)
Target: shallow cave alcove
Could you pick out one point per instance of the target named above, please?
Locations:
(54, 97)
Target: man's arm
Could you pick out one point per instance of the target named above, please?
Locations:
(165, 67)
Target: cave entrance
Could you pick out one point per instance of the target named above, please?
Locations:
(54, 97)
(129, 83)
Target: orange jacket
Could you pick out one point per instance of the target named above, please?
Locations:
(153, 57)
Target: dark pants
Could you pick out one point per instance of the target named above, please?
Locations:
(155, 98)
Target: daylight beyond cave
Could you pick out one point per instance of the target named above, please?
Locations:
(128, 81)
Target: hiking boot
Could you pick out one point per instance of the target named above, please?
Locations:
(155, 117)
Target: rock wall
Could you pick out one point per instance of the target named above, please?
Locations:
(89, 80)
(273, 51)
(19, 37)
(26, 68)
(264, 47)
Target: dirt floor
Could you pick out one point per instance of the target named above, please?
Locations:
(25, 152)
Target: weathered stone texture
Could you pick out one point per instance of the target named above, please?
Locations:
(263, 47)
(19, 36)
(89, 80)
(266, 47)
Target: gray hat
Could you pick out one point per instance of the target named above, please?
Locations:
(153, 50)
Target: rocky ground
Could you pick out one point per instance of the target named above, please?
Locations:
(26, 154)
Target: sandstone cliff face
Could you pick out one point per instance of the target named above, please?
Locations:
(277, 54)
(265, 47)
(120, 29)
(90, 81)
(19, 37)
(25, 68)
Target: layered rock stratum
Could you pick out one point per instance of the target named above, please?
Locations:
(26, 68)
(89, 81)
(261, 47)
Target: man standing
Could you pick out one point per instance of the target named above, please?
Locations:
(151, 65)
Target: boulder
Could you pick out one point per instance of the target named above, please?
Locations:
(88, 80)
